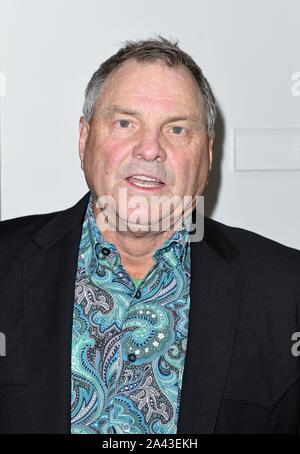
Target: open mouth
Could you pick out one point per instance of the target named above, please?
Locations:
(141, 181)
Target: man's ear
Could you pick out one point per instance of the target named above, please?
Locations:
(210, 150)
(84, 129)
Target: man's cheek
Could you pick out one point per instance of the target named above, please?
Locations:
(181, 171)
(115, 151)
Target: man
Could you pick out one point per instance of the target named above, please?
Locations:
(135, 329)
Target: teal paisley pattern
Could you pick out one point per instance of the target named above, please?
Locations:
(129, 342)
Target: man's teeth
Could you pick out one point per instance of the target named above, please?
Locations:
(145, 182)
(142, 177)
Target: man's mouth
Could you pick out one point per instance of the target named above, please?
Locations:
(143, 181)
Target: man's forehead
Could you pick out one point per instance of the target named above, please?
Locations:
(155, 77)
(128, 93)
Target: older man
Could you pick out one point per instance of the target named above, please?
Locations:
(138, 329)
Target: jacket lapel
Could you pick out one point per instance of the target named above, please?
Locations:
(215, 296)
(49, 286)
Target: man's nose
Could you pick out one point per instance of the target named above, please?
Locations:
(149, 148)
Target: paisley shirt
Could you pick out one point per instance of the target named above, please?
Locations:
(128, 342)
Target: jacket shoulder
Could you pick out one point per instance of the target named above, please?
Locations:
(23, 226)
(254, 247)
(23, 236)
(16, 233)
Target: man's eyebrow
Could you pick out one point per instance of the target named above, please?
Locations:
(182, 118)
(125, 111)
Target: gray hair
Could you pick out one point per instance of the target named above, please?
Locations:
(154, 49)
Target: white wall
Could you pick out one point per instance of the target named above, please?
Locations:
(249, 51)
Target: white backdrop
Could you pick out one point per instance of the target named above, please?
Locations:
(249, 51)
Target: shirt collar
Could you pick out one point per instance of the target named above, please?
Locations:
(176, 244)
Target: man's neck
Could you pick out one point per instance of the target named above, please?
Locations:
(135, 251)
(135, 248)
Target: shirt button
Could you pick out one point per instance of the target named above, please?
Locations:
(105, 251)
(126, 427)
(131, 357)
(138, 294)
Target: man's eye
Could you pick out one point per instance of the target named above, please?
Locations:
(123, 123)
(178, 130)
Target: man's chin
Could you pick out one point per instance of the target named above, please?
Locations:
(141, 227)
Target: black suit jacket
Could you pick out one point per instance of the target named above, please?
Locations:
(240, 375)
